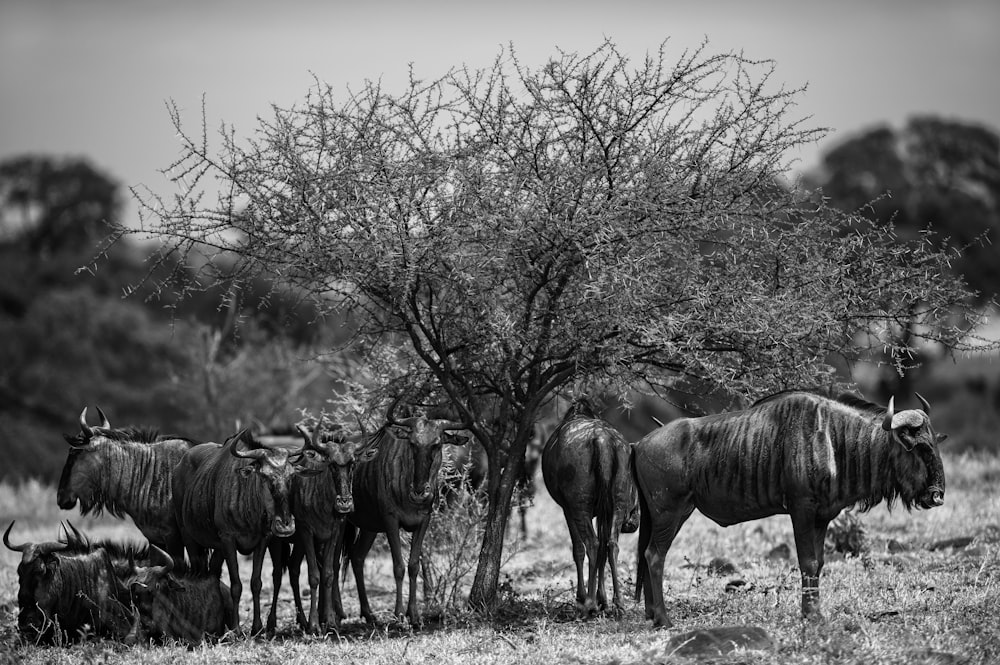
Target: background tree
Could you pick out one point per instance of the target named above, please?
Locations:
(934, 175)
(70, 340)
(508, 234)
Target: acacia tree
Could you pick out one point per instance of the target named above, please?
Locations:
(502, 235)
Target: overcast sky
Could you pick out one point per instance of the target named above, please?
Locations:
(90, 77)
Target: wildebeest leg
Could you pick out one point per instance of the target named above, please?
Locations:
(809, 548)
(610, 548)
(256, 586)
(664, 529)
(308, 542)
(235, 585)
(277, 549)
(215, 565)
(413, 568)
(584, 541)
(328, 575)
(359, 551)
(294, 568)
(344, 542)
(398, 566)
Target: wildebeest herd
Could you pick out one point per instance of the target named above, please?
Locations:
(326, 499)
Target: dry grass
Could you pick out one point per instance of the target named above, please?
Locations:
(899, 607)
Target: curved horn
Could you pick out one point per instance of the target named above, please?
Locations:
(84, 427)
(924, 403)
(76, 534)
(390, 415)
(361, 424)
(252, 453)
(887, 421)
(167, 561)
(104, 419)
(6, 540)
(306, 437)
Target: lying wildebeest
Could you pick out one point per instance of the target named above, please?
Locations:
(585, 468)
(792, 453)
(126, 472)
(320, 505)
(174, 604)
(234, 501)
(396, 490)
(69, 587)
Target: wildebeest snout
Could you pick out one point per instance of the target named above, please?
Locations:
(283, 528)
(421, 494)
(344, 504)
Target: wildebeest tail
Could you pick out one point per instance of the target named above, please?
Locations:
(603, 466)
(645, 529)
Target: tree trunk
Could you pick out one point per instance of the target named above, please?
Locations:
(483, 595)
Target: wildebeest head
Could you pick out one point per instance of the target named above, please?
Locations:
(424, 436)
(340, 455)
(920, 475)
(82, 467)
(38, 584)
(144, 582)
(275, 467)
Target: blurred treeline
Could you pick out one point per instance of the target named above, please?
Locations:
(198, 366)
(194, 367)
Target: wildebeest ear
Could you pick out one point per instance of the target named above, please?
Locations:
(941, 438)
(174, 584)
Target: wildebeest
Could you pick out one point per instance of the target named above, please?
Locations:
(792, 453)
(396, 490)
(585, 468)
(467, 464)
(320, 504)
(69, 587)
(174, 604)
(126, 472)
(234, 501)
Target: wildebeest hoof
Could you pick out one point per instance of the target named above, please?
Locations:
(662, 622)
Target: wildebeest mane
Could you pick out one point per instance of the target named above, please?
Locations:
(861, 404)
(129, 434)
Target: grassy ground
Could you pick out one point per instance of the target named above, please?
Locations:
(908, 605)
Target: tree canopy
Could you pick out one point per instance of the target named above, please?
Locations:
(505, 234)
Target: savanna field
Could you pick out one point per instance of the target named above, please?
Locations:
(921, 592)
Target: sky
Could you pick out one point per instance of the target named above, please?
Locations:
(90, 78)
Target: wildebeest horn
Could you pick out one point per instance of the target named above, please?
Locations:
(312, 441)
(168, 561)
(6, 540)
(104, 419)
(361, 424)
(887, 421)
(76, 534)
(253, 452)
(41, 548)
(84, 427)
(390, 415)
(924, 403)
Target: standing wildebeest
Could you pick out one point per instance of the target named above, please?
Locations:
(396, 490)
(69, 586)
(792, 453)
(320, 504)
(124, 471)
(585, 468)
(234, 501)
(171, 604)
